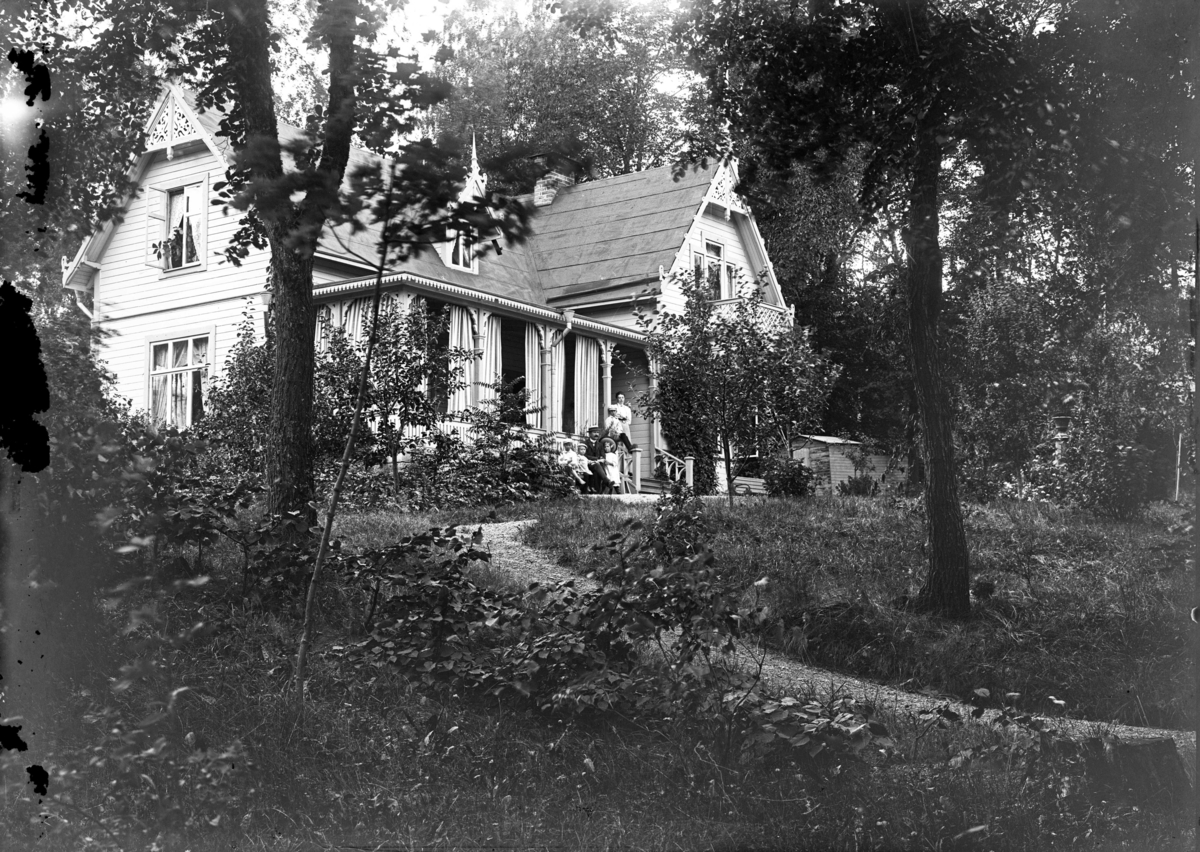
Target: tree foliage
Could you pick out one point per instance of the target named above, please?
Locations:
(815, 232)
(77, 93)
(611, 89)
(1045, 280)
(410, 362)
(762, 386)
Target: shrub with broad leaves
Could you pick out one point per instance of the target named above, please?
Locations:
(788, 478)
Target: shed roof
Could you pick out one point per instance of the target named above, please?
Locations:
(822, 439)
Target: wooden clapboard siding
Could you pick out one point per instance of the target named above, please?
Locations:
(131, 288)
(840, 467)
(707, 227)
(832, 465)
(620, 314)
(327, 271)
(126, 350)
(719, 230)
(139, 303)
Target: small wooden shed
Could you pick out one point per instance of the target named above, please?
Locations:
(829, 457)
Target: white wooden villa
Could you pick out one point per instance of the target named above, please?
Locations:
(556, 310)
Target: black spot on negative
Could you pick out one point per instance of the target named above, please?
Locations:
(9, 739)
(39, 778)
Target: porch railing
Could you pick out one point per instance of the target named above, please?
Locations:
(674, 468)
(631, 471)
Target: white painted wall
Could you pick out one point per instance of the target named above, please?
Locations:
(139, 303)
(708, 227)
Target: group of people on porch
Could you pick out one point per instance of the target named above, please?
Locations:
(595, 462)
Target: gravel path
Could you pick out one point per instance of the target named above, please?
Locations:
(786, 676)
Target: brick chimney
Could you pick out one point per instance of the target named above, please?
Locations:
(548, 186)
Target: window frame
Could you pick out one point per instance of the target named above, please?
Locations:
(158, 225)
(702, 260)
(202, 372)
(454, 246)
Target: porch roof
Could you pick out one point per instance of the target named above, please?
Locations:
(478, 298)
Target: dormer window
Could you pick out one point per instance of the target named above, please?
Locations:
(460, 252)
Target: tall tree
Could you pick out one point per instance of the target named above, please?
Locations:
(910, 83)
(815, 233)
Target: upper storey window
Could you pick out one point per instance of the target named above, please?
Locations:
(184, 227)
(176, 227)
(712, 270)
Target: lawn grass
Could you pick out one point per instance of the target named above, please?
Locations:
(1092, 613)
(380, 762)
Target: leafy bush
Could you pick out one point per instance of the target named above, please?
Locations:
(500, 463)
(859, 485)
(646, 644)
(788, 478)
(238, 411)
(1101, 464)
(679, 519)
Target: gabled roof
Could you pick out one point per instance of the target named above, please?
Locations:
(610, 234)
(606, 239)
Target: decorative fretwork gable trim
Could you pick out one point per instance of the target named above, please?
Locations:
(721, 191)
(173, 125)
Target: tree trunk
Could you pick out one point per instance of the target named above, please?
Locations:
(289, 438)
(288, 451)
(912, 435)
(946, 588)
(394, 450)
(728, 468)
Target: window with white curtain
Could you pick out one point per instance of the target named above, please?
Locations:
(178, 371)
(184, 238)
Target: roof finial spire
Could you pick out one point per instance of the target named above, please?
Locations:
(476, 183)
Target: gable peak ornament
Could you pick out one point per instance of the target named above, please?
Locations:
(173, 126)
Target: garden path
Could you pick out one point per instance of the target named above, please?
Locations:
(786, 676)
